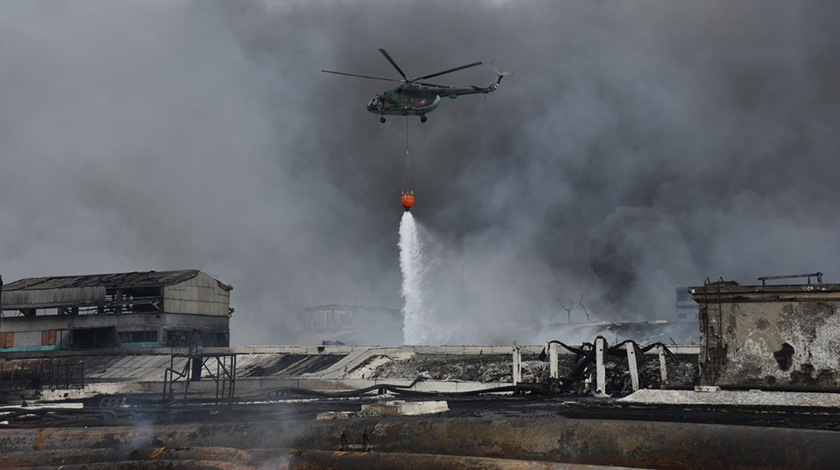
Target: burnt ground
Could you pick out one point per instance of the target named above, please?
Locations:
(486, 406)
(489, 368)
(498, 367)
(287, 365)
(472, 368)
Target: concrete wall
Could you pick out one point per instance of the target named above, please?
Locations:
(769, 335)
(200, 295)
(28, 330)
(135, 321)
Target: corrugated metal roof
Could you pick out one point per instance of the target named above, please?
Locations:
(123, 368)
(135, 279)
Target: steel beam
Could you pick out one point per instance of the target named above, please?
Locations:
(663, 367)
(517, 365)
(632, 365)
(553, 365)
(600, 369)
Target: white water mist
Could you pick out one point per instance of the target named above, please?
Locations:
(412, 265)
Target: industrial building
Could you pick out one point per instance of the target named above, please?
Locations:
(769, 334)
(137, 309)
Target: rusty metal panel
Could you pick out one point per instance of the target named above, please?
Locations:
(7, 340)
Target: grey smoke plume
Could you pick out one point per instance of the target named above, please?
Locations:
(640, 146)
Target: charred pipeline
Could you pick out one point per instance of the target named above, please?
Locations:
(327, 460)
(120, 457)
(600, 442)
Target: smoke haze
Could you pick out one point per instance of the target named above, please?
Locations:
(640, 146)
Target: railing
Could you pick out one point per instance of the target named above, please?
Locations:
(818, 275)
(63, 373)
(48, 373)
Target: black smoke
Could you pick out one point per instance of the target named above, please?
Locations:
(639, 146)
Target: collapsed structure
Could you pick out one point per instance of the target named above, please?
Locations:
(137, 309)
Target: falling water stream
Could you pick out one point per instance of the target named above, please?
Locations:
(412, 267)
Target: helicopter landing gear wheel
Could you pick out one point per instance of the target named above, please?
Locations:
(423, 119)
(382, 119)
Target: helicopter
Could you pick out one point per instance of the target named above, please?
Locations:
(414, 97)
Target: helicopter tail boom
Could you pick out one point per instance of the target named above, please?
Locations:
(493, 86)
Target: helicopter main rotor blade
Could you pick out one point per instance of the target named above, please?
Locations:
(360, 76)
(449, 71)
(385, 53)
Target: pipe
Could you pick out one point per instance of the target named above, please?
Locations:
(609, 442)
(327, 460)
(51, 458)
(594, 442)
(240, 435)
(152, 465)
(216, 454)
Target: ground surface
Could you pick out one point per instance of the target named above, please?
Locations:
(494, 406)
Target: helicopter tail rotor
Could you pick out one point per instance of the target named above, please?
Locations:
(499, 75)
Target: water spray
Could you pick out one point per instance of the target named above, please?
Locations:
(412, 266)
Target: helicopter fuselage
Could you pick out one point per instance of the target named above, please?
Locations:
(419, 100)
(401, 102)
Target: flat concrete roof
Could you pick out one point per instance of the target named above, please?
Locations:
(729, 291)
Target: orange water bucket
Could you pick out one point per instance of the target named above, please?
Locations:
(407, 198)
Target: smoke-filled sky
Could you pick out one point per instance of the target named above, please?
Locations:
(640, 145)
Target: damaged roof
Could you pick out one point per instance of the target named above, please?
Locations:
(728, 291)
(116, 280)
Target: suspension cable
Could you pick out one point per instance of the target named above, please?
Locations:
(407, 168)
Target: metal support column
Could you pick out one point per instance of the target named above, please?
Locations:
(632, 365)
(663, 368)
(517, 365)
(554, 369)
(600, 369)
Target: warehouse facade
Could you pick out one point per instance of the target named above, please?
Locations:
(138, 309)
